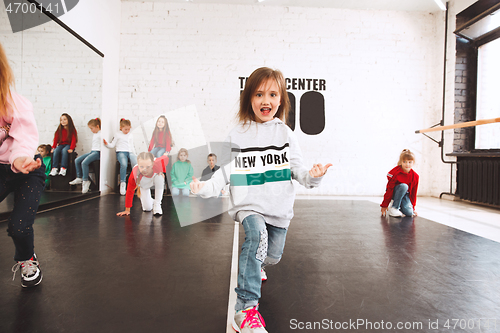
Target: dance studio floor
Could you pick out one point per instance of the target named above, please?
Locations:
(48, 201)
(343, 267)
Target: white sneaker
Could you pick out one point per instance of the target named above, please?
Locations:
(62, 172)
(31, 275)
(263, 275)
(123, 188)
(53, 172)
(249, 321)
(157, 209)
(85, 186)
(394, 212)
(76, 181)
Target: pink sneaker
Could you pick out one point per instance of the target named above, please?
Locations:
(249, 321)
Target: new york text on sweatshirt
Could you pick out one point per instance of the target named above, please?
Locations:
(265, 157)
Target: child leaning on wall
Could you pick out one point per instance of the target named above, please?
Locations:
(124, 143)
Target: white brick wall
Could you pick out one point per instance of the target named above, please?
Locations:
(58, 74)
(382, 69)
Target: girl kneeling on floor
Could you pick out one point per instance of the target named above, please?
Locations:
(401, 187)
(147, 173)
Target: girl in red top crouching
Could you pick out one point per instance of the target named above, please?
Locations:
(401, 187)
(147, 173)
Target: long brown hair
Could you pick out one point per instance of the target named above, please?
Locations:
(6, 81)
(165, 130)
(71, 129)
(246, 114)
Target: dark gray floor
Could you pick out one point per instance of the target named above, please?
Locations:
(48, 200)
(342, 263)
(104, 273)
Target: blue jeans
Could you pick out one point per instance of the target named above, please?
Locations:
(158, 151)
(60, 153)
(123, 157)
(263, 246)
(180, 191)
(401, 199)
(27, 189)
(82, 164)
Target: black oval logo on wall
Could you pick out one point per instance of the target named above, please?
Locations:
(290, 120)
(312, 113)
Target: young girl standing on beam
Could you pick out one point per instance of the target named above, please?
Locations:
(261, 188)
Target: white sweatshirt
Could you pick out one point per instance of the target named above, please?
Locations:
(96, 141)
(264, 159)
(123, 142)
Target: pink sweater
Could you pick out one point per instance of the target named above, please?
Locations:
(23, 134)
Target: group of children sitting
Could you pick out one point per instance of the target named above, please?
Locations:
(66, 138)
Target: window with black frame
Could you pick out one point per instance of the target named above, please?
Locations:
(488, 87)
(481, 27)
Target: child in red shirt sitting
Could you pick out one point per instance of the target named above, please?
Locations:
(65, 139)
(161, 141)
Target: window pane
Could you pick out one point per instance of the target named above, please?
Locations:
(488, 95)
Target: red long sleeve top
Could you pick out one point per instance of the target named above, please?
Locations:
(158, 166)
(163, 141)
(64, 139)
(397, 176)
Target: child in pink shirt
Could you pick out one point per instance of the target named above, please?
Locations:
(20, 172)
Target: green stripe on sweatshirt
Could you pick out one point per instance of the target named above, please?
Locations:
(260, 178)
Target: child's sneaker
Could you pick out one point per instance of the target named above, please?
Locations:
(157, 209)
(53, 172)
(263, 275)
(76, 181)
(31, 275)
(249, 321)
(123, 188)
(62, 172)
(394, 212)
(85, 186)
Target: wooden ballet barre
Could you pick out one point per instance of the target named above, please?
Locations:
(460, 125)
